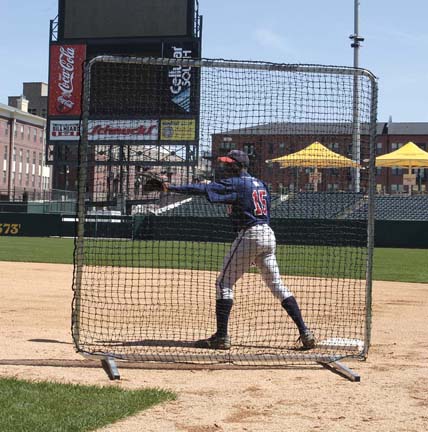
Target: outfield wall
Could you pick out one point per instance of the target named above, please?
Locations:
(404, 234)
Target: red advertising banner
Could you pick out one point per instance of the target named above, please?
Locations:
(65, 79)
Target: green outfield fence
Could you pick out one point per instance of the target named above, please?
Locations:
(401, 234)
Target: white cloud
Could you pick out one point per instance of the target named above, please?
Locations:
(273, 41)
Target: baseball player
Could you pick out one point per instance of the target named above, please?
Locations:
(248, 202)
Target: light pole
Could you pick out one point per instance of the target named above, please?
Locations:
(356, 132)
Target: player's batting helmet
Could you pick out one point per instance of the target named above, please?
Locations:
(236, 156)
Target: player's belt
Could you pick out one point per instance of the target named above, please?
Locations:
(246, 228)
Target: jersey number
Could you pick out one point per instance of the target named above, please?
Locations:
(259, 200)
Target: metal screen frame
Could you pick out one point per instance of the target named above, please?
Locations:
(214, 63)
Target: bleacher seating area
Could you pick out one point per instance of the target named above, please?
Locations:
(197, 206)
(319, 205)
(399, 208)
(313, 205)
(302, 205)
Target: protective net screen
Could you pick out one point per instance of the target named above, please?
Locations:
(156, 271)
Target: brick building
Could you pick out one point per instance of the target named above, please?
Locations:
(270, 141)
(36, 94)
(22, 142)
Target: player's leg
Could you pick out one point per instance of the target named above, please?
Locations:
(269, 270)
(235, 264)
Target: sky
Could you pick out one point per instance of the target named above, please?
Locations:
(395, 48)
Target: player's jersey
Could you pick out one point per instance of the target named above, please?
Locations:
(247, 197)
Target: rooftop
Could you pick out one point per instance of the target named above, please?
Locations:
(324, 128)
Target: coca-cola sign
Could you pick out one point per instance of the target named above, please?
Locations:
(65, 82)
(123, 130)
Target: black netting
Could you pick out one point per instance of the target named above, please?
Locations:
(147, 262)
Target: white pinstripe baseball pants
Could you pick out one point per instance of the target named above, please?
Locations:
(255, 245)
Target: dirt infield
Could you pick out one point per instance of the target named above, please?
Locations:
(35, 305)
(141, 313)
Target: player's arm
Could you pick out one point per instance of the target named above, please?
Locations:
(221, 192)
(190, 189)
(217, 198)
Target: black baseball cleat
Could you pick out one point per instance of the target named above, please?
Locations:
(308, 339)
(214, 342)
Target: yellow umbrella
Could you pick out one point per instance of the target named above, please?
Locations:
(408, 156)
(315, 156)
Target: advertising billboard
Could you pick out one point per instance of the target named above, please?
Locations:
(65, 79)
(178, 130)
(83, 19)
(64, 130)
(123, 130)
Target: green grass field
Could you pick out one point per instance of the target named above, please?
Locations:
(403, 265)
(49, 407)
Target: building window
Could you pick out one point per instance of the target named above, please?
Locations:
(397, 188)
(379, 148)
(4, 176)
(14, 154)
(28, 156)
(34, 158)
(33, 180)
(396, 171)
(378, 171)
(5, 153)
(227, 145)
(20, 178)
(20, 155)
(35, 135)
(27, 179)
(249, 149)
(22, 131)
(28, 133)
(281, 146)
(6, 130)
